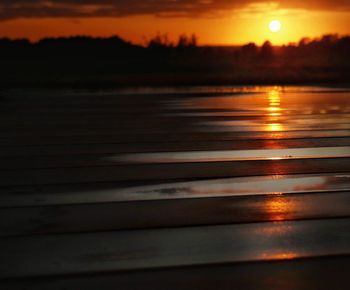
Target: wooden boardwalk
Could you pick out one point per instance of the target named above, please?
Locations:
(175, 190)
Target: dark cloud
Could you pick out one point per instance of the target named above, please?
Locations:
(10, 9)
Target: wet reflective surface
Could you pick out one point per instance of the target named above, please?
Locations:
(273, 109)
(245, 186)
(277, 184)
(268, 113)
(236, 155)
(137, 179)
(140, 250)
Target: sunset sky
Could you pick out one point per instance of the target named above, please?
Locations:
(213, 21)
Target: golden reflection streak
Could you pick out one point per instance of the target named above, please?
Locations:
(278, 208)
(275, 127)
(275, 158)
(274, 111)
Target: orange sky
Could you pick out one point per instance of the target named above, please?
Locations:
(241, 24)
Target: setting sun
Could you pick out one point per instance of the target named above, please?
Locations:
(275, 26)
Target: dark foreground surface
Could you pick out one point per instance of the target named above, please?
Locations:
(194, 188)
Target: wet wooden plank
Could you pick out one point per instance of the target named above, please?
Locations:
(149, 249)
(177, 132)
(166, 136)
(233, 155)
(165, 127)
(159, 118)
(173, 157)
(172, 213)
(104, 192)
(145, 172)
(76, 149)
(304, 274)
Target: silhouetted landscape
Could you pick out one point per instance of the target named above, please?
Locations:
(115, 61)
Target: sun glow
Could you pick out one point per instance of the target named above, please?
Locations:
(275, 26)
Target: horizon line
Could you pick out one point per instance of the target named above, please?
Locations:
(173, 42)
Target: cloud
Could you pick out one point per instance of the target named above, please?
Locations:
(11, 9)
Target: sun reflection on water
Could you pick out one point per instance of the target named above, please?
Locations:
(278, 208)
(274, 127)
(274, 111)
(275, 114)
(275, 158)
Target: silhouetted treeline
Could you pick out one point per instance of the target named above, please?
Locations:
(160, 61)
